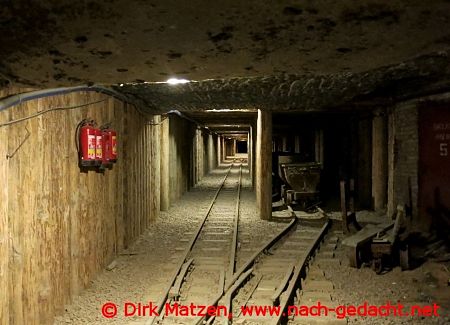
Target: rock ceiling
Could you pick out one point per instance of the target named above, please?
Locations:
(279, 54)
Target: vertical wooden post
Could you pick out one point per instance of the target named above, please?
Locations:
(219, 150)
(348, 219)
(343, 206)
(264, 164)
(201, 154)
(391, 165)
(253, 144)
(215, 151)
(164, 165)
(156, 166)
(249, 153)
(297, 144)
(194, 158)
(284, 142)
(379, 161)
(224, 149)
(210, 153)
(351, 203)
(198, 155)
(227, 147)
(5, 249)
(319, 146)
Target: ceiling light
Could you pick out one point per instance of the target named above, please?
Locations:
(228, 110)
(176, 81)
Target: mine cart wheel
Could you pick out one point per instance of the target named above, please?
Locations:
(404, 258)
(289, 197)
(354, 257)
(377, 265)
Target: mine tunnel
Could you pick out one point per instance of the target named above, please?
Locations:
(235, 162)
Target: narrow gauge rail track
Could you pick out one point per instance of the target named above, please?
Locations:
(209, 259)
(270, 277)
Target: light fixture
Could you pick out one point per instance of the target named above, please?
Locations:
(228, 110)
(176, 81)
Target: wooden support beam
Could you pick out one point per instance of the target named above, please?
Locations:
(5, 242)
(164, 165)
(318, 146)
(219, 150)
(351, 201)
(227, 148)
(284, 143)
(249, 153)
(155, 163)
(379, 161)
(253, 143)
(264, 165)
(224, 149)
(343, 205)
(297, 144)
(198, 155)
(348, 218)
(201, 155)
(211, 164)
(391, 165)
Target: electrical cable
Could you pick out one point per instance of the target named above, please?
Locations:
(18, 99)
(77, 135)
(58, 108)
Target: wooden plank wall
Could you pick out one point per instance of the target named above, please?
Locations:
(187, 156)
(181, 162)
(59, 226)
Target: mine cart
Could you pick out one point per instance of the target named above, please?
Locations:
(302, 182)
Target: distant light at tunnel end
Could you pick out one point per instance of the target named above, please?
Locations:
(176, 81)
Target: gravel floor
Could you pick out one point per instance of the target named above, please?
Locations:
(142, 276)
(425, 285)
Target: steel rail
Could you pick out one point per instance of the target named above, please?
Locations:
(231, 265)
(188, 250)
(267, 245)
(244, 268)
(299, 267)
